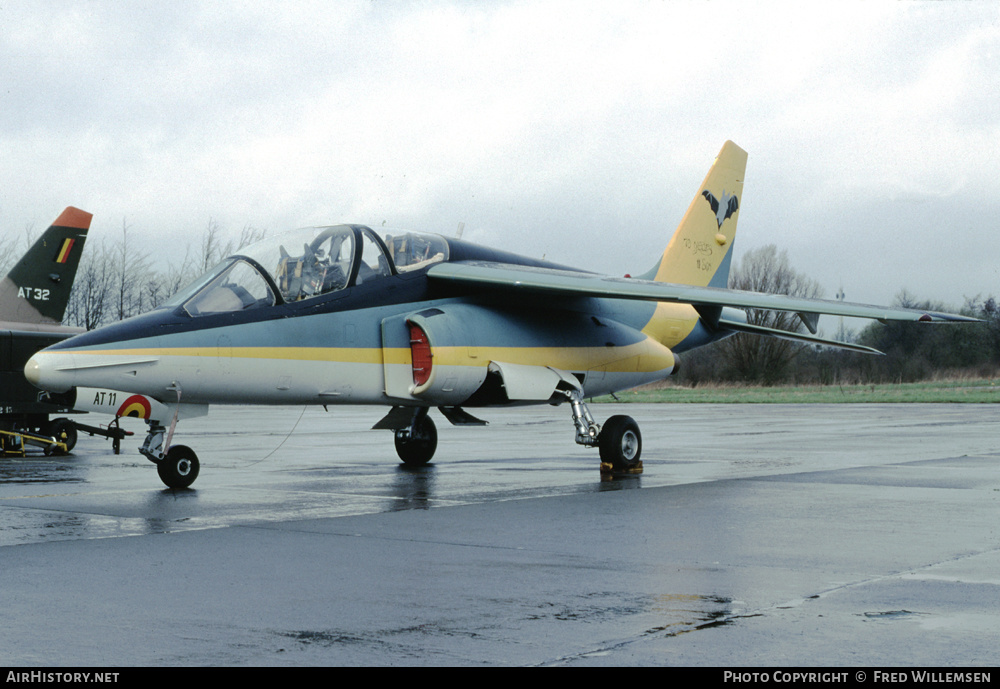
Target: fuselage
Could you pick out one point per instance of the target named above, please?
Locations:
(355, 343)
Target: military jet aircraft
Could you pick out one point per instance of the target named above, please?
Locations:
(34, 296)
(410, 321)
(33, 299)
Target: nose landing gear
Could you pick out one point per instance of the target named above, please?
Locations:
(178, 467)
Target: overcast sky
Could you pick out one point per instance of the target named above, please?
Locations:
(575, 130)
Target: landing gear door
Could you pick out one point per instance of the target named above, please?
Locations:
(397, 359)
(538, 383)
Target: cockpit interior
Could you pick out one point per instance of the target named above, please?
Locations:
(305, 264)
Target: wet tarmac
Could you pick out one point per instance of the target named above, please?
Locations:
(758, 535)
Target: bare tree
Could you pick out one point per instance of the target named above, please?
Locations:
(164, 285)
(131, 271)
(214, 248)
(248, 235)
(90, 303)
(210, 248)
(916, 351)
(766, 359)
(12, 247)
(119, 281)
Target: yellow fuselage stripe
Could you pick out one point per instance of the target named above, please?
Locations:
(655, 357)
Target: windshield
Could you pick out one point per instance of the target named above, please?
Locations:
(233, 285)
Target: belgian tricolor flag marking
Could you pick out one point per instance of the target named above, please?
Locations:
(64, 250)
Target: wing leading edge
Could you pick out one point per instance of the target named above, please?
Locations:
(573, 284)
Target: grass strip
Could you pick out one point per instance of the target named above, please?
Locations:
(942, 391)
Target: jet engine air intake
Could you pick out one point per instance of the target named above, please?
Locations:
(442, 372)
(420, 349)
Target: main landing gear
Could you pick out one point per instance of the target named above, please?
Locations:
(619, 440)
(416, 444)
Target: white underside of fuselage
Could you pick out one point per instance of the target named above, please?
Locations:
(270, 381)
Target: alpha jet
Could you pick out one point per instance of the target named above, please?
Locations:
(410, 321)
(33, 299)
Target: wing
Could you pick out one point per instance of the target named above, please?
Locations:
(527, 279)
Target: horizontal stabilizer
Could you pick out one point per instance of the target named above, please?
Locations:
(796, 337)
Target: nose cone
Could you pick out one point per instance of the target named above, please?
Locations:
(32, 372)
(41, 372)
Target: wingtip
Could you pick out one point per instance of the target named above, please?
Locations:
(935, 317)
(75, 218)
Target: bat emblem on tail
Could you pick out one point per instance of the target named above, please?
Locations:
(722, 209)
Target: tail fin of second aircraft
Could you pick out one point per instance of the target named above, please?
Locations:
(37, 288)
(701, 249)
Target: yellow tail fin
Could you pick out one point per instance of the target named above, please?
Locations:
(701, 249)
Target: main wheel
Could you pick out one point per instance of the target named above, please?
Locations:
(416, 449)
(621, 443)
(179, 468)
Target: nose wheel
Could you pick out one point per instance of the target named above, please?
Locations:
(179, 467)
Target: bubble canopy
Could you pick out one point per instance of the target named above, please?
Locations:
(304, 264)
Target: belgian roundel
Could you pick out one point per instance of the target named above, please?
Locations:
(135, 406)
